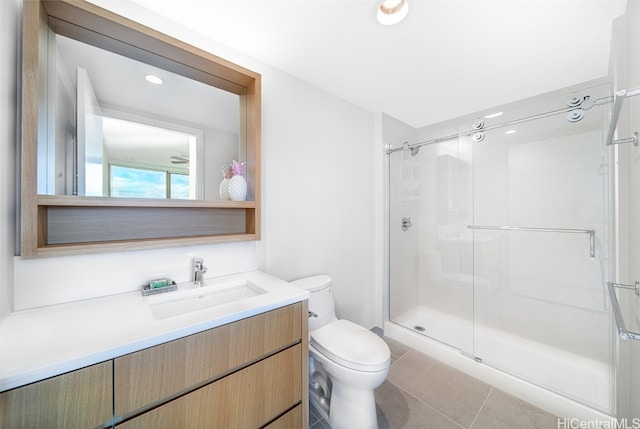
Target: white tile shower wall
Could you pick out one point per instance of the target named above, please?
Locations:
(404, 245)
(446, 248)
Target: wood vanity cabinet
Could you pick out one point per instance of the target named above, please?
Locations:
(248, 374)
(248, 398)
(251, 373)
(78, 399)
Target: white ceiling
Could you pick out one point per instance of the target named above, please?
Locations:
(122, 92)
(119, 83)
(447, 59)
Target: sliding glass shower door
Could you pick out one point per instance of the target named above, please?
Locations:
(505, 247)
(541, 244)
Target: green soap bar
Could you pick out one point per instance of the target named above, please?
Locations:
(154, 284)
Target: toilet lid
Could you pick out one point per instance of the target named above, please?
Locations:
(351, 345)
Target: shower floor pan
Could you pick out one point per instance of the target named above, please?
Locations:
(581, 379)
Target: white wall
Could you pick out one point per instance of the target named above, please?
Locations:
(318, 212)
(9, 26)
(318, 200)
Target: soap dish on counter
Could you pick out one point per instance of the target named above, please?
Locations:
(148, 290)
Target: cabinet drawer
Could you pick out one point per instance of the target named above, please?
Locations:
(293, 419)
(78, 399)
(245, 399)
(154, 374)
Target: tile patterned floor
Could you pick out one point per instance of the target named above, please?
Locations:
(422, 393)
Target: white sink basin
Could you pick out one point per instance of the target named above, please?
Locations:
(200, 298)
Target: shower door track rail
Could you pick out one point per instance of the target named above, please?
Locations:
(598, 102)
(591, 232)
(622, 331)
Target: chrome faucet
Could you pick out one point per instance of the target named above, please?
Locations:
(198, 271)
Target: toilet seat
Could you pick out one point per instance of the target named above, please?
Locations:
(352, 346)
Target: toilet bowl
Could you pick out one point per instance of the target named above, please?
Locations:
(346, 361)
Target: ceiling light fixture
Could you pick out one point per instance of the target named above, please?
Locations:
(510, 132)
(391, 12)
(154, 79)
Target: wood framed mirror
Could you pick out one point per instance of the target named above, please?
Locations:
(59, 215)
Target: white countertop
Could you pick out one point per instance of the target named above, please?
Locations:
(44, 342)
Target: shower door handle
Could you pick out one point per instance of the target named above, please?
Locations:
(406, 223)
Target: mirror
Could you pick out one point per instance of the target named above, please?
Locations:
(158, 152)
(110, 132)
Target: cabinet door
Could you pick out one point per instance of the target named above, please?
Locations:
(157, 373)
(78, 399)
(246, 399)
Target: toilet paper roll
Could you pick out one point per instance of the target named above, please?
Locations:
(322, 380)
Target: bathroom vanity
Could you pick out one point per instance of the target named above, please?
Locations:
(232, 353)
(238, 364)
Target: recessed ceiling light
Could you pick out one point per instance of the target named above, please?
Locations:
(493, 115)
(154, 79)
(510, 132)
(391, 12)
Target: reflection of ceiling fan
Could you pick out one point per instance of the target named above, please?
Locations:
(179, 159)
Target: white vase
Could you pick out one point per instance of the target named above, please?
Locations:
(238, 188)
(224, 189)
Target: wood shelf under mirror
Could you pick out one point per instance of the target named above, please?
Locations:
(69, 225)
(56, 225)
(72, 200)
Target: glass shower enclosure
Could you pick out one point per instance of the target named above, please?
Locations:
(500, 238)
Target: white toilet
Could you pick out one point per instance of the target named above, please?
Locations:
(346, 362)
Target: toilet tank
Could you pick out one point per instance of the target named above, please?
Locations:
(320, 299)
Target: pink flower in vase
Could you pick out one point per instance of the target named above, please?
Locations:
(238, 168)
(227, 171)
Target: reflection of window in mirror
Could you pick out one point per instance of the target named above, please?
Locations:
(182, 127)
(131, 182)
(151, 157)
